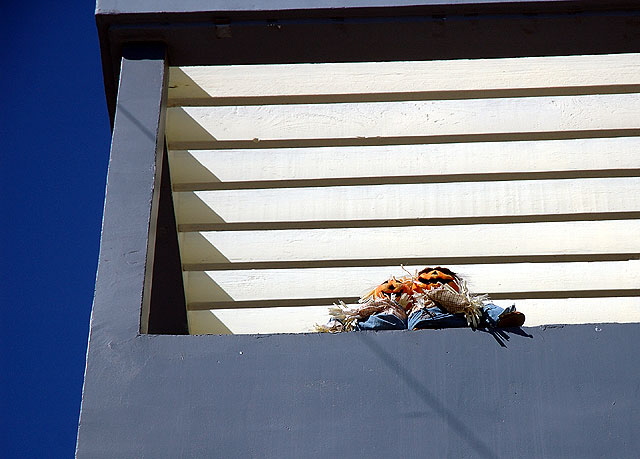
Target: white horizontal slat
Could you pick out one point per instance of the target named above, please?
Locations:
(302, 319)
(242, 81)
(403, 160)
(344, 283)
(430, 200)
(253, 320)
(530, 239)
(403, 119)
(578, 310)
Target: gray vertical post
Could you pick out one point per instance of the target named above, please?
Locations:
(122, 295)
(131, 203)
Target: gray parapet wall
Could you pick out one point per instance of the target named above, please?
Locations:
(553, 391)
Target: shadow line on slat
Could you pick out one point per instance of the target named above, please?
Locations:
(406, 179)
(498, 259)
(208, 101)
(402, 222)
(285, 302)
(406, 140)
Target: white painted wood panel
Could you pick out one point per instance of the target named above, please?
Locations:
(248, 165)
(254, 320)
(347, 283)
(259, 81)
(327, 107)
(546, 238)
(579, 310)
(430, 200)
(302, 319)
(403, 119)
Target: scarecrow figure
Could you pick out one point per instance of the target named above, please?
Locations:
(433, 298)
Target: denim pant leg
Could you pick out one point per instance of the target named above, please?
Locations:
(435, 318)
(382, 322)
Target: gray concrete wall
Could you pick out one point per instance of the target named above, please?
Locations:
(571, 391)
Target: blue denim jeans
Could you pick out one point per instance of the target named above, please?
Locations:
(382, 322)
(437, 318)
(430, 318)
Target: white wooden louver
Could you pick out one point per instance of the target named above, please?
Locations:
(298, 185)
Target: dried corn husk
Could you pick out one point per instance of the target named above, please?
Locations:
(462, 302)
(346, 319)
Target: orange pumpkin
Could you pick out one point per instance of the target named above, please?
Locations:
(390, 287)
(432, 278)
(405, 289)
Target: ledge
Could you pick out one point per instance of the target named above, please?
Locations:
(554, 391)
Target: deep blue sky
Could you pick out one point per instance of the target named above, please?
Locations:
(54, 135)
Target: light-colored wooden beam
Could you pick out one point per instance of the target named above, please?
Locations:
(218, 167)
(465, 241)
(431, 200)
(260, 84)
(420, 120)
(349, 283)
(303, 318)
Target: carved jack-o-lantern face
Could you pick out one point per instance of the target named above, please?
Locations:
(427, 279)
(431, 278)
(392, 286)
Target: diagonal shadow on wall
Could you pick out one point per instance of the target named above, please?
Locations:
(465, 432)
